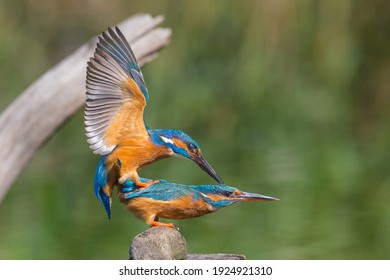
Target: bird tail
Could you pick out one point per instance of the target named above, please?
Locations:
(100, 183)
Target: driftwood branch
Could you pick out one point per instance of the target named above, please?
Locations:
(32, 118)
(163, 243)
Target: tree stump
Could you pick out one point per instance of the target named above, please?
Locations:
(215, 257)
(163, 243)
(158, 243)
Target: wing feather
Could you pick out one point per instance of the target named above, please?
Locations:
(116, 94)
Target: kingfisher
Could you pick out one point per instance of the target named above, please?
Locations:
(177, 201)
(114, 118)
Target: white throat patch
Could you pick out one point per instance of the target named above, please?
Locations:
(166, 140)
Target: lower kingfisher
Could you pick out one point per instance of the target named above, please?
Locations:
(114, 118)
(176, 201)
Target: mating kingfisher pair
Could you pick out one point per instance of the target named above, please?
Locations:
(115, 128)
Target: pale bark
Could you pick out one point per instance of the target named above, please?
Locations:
(34, 116)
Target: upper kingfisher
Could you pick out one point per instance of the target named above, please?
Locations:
(114, 118)
(176, 201)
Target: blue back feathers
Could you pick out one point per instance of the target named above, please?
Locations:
(166, 191)
(99, 183)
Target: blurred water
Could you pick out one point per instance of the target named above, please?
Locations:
(286, 98)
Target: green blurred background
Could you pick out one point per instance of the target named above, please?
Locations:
(286, 98)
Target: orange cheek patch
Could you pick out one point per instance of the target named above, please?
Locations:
(180, 144)
(215, 197)
(236, 193)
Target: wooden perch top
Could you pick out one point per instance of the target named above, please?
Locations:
(158, 243)
(164, 243)
(33, 117)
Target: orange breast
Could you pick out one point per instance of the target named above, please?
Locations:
(183, 208)
(136, 153)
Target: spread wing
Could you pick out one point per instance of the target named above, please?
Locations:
(116, 94)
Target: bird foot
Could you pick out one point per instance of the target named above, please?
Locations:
(123, 179)
(147, 184)
(156, 224)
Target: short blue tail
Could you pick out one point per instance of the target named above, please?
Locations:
(100, 183)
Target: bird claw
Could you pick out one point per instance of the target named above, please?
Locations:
(145, 185)
(122, 179)
(156, 224)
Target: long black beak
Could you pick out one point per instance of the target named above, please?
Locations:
(206, 167)
(245, 196)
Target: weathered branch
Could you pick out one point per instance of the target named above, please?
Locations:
(158, 243)
(215, 257)
(33, 117)
(163, 243)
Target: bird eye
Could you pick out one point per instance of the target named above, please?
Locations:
(227, 193)
(191, 147)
